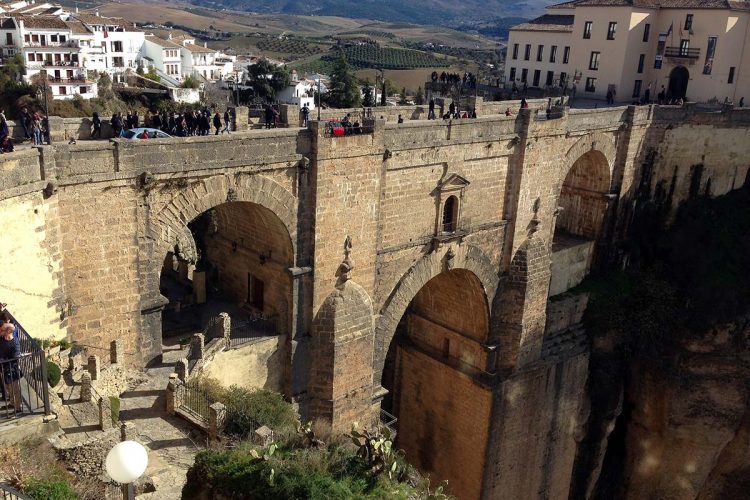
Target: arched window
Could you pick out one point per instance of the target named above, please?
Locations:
(450, 214)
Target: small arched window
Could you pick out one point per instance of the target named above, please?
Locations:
(450, 214)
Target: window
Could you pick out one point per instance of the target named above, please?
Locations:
(641, 62)
(730, 78)
(512, 75)
(637, 88)
(537, 76)
(116, 46)
(63, 90)
(515, 51)
(84, 90)
(611, 31)
(566, 55)
(594, 60)
(708, 65)
(26, 38)
(117, 62)
(53, 38)
(688, 22)
(587, 29)
(32, 57)
(684, 47)
(63, 39)
(550, 78)
(539, 52)
(524, 75)
(552, 53)
(527, 52)
(590, 84)
(450, 214)
(646, 31)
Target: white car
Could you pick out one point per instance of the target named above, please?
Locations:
(137, 134)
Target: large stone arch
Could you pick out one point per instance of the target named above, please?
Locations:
(464, 256)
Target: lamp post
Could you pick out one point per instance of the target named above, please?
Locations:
(46, 109)
(125, 463)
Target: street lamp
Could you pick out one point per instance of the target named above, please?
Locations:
(125, 463)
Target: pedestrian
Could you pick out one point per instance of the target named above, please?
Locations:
(305, 115)
(524, 104)
(217, 123)
(647, 95)
(452, 109)
(135, 119)
(431, 109)
(4, 129)
(36, 129)
(400, 119)
(128, 124)
(6, 145)
(473, 112)
(268, 116)
(227, 122)
(10, 352)
(508, 112)
(609, 97)
(742, 102)
(96, 123)
(26, 123)
(156, 121)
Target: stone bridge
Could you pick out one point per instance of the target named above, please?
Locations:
(408, 269)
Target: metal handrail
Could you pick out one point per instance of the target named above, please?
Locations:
(9, 493)
(690, 53)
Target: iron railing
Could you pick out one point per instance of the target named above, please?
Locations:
(25, 389)
(388, 421)
(682, 52)
(9, 493)
(252, 328)
(194, 400)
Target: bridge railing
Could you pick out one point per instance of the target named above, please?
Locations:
(23, 380)
(9, 493)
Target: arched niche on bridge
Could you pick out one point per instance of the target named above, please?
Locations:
(243, 234)
(436, 380)
(582, 206)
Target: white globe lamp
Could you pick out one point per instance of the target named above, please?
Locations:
(126, 462)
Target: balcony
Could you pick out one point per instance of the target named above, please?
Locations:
(53, 64)
(67, 44)
(62, 80)
(681, 53)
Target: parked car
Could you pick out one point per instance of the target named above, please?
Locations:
(137, 133)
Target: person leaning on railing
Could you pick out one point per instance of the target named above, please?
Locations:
(10, 352)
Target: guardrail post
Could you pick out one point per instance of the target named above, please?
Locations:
(172, 394)
(105, 414)
(226, 324)
(115, 352)
(128, 431)
(197, 345)
(217, 413)
(86, 393)
(181, 369)
(94, 367)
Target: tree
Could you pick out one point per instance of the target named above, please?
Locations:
(267, 79)
(368, 100)
(402, 100)
(344, 90)
(151, 75)
(419, 98)
(190, 83)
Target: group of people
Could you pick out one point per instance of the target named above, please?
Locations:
(453, 112)
(188, 123)
(272, 115)
(34, 129)
(469, 80)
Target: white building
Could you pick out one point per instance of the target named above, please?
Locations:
(116, 44)
(693, 49)
(163, 55)
(49, 48)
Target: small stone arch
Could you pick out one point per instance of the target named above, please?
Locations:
(464, 256)
(189, 203)
(603, 143)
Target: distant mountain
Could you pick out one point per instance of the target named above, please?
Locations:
(438, 12)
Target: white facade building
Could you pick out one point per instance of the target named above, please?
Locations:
(116, 45)
(693, 49)
(49, 48)
(163, 55)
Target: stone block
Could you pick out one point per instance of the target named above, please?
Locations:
(116, 355)
(94, 367)
(105, 414)
(263, 436)
(86, 393)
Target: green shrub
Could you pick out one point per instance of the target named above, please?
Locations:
(114, 403)
(53, 374)
(51, 489)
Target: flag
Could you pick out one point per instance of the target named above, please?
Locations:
(669, 31)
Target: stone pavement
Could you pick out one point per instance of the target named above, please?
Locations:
(172, 442)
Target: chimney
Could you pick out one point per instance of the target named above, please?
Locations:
(97, 12)
(205, 45)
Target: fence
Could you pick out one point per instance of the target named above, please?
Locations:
(25, 388)
(247, 330)
(195, 401)
(389, 422)
(8, 493)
